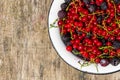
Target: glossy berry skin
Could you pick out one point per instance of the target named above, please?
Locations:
(67, 1)
(61, 14)
(103, 6)
(86, 1)
(104, 62)
(69, 48)
(117, 1)
(92, 8)
(115, 61)
(64, 6)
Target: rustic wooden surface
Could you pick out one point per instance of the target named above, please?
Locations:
(26, 52)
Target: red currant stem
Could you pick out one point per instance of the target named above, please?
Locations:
(101, 37)
(85, 64)
(81, 30)
(53, 24)
(81, 15)
(103, 27)
(62, 30)
(115, 29)
(69, 6)
(108, 1)
(118, 22)
(105, 47)
(115, 9)
(75, 52)
(90, 21)
(105, 56)
(96, 13)
(79, 2)
(71, 34)
(55, 21)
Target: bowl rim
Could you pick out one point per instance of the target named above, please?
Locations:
(48, 14)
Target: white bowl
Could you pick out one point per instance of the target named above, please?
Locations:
(68, 57)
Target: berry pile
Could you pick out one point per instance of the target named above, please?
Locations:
(90, 29)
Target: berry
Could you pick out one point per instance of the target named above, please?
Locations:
(97, 60)
(117, 1)
(61, 14)
(64, 6)
(104, 62)
(69, 48)
(115, 61)
(68, 1)
(116, 44)
(66, 38)
(86, 1)
(92, 8)
(103, 6)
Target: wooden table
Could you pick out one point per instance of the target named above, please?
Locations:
(26, 52)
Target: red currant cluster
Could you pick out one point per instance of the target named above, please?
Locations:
(91, 28)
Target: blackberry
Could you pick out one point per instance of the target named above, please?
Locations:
(99, 19)
(117, 1)
(62, 14)
(64, 6)
(103, 41)
(67, 1)
(86, 1)
(104, 15)
(115, 61)
(116, 44)
(78, 32)
(66, 39)
(103, 6)
(92, 8)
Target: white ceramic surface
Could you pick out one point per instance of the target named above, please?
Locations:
(67, 56)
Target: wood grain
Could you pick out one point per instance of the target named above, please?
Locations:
(26, 52)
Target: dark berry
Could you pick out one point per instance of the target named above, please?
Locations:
(104, 62)
(92, 8)
(116, 44)
(78, 32)
(86, 1)
(66, 39)
(103, 6)
(104, 15)
(103, 41)
(115, 61)
(64, 6)
(117, 1)
(89, 35)
(61, 14)
(68, 1)
(99, 19)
